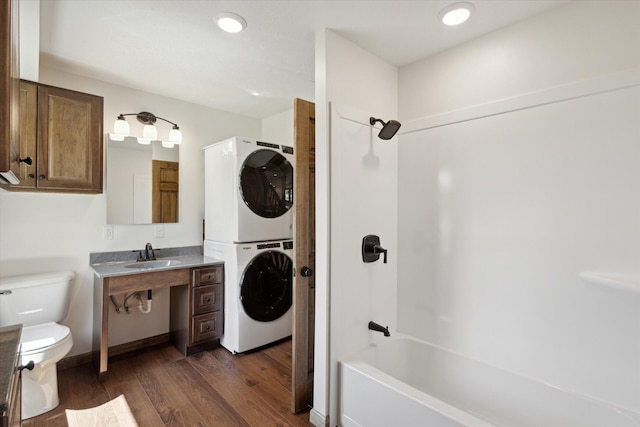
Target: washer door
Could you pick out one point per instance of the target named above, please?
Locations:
(266, 286)
(266, 183)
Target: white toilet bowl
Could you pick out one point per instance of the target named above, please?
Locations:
(45, 345)
(38, 302)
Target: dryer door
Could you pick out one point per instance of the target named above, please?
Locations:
(266, 286)
(266, 183)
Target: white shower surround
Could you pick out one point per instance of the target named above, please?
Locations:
(519, 198)
(576, 42)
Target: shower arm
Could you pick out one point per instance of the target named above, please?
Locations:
(373, 121)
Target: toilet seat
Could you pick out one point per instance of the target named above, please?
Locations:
(40, 338)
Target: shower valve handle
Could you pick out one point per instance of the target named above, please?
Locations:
(380, 250)
(371, 249)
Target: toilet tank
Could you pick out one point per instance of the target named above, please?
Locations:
(35, 299)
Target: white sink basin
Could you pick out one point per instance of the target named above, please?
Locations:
(153, 264)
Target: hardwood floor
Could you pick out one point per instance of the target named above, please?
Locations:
(164, 388)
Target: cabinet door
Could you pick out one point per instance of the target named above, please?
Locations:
(165, 191)
(9, 86)
(28, 133)
(69, 140)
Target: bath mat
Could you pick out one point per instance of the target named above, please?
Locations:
(115, 413)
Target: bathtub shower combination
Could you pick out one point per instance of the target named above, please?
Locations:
(406, 382)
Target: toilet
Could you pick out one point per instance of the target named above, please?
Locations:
(37, 302)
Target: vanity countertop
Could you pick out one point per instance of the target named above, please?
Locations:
(110, 264)
(9, 342)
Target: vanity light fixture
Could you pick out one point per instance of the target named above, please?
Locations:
(149, 132)
(456, 13)
(230, 22)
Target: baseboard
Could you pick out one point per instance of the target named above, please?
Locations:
(81, 359)
(317, 419)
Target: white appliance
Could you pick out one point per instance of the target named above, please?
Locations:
(248, 191)
(258, 296)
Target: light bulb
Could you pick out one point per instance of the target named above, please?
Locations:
(167, 144)
(149, 132)
(456, 14)
(144, 141)
(175, 136)
(121, 127)
(230, 22)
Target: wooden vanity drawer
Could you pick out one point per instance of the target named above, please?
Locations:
(207, 298)
(208, 275)
(207, 327)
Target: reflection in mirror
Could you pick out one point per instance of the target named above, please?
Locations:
(142, 182)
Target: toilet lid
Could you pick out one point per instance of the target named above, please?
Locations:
(40, 336)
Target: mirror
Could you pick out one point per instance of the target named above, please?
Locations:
(142, 182)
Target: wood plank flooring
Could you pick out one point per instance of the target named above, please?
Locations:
(164, 388)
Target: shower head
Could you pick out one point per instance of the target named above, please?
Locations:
(389, 128)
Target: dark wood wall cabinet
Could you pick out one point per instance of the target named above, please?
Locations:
(197, 311)
(9, 97)
(61, 142)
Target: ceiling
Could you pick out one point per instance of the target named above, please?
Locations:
(173, 47)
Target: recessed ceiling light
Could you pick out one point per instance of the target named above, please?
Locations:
(230, 22)
(456, 14)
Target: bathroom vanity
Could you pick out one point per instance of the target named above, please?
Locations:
(196, 285)
(10, 402)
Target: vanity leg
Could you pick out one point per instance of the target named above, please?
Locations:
(104, 333)
(101, 326)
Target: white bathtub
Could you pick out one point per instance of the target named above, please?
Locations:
(405, 382)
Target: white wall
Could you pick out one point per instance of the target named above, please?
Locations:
(279, 128)
(354, 197)
(29, 11)
(573, 42)
(506, 200)
(47, 232)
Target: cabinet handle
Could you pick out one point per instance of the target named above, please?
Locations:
(29, 366)
(27, 160)
(31, 176)
(41, 176)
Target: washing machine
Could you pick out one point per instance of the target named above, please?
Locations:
(248, 191)
(258, 292)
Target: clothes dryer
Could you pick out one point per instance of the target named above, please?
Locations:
(258, 292)
(248, 191)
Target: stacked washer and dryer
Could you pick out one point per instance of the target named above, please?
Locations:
(249, 224)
